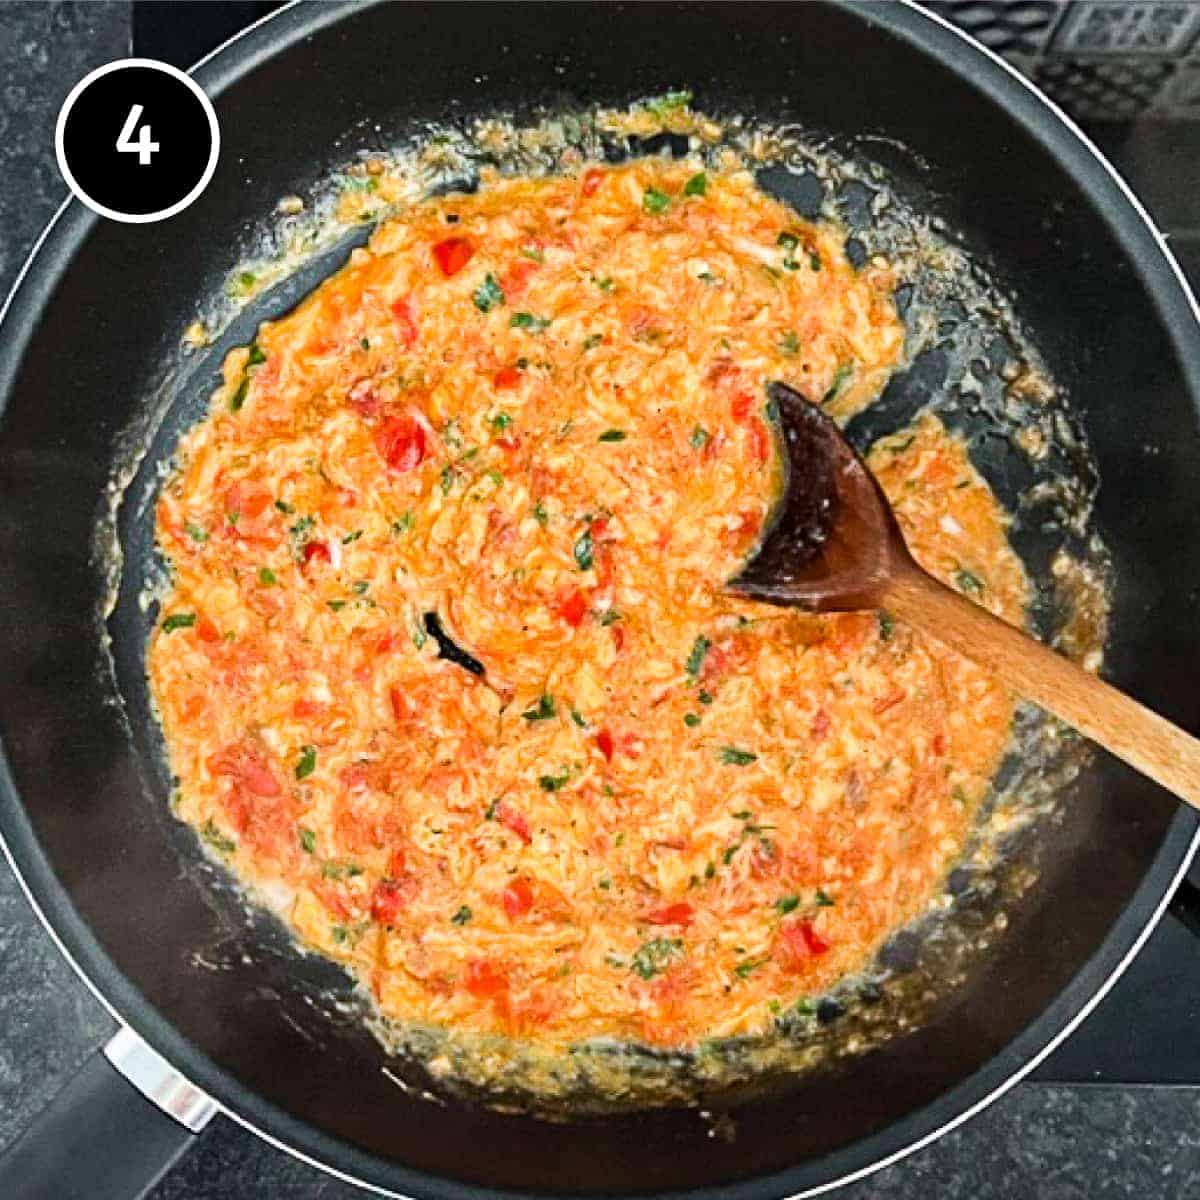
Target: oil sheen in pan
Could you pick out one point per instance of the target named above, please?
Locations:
(968, 360)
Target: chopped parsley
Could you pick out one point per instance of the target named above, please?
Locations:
(533, 253)
(266, 576)
(585, 550)
(196, 533)
(360, 587)
(308, 762)
(446, 479)
(705, 698)
(839, 377)
(578, 718)
(605, 284)
(655, 202)
(500, 422)
(543, 710)
(180, 620)
(823, 899)
(216, 839)
(669, 102)
(887, 625)
(489, 294)
(256, 355)
(402, 523)
(553, 783)
(748, 966)
(592, 340)
(789, 343)
(540, 515)
(609, 616)
(332, 869)
(308, 841)
(364, 344)
(700, 438)
(697, 185)
(239, 397)
(968, 581)
(612, 435)
(654, 957)
(787, 904)
(336, 605)
(691, 720)
(524, 320)
(734, 757)
(352, 537)
(284, 506)
(461, 917)
(695, 660)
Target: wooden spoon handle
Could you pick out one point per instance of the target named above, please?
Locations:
(1121, 725)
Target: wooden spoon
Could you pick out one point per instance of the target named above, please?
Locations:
(834, 546)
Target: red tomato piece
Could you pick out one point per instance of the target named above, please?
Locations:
(514, 281)
(387, 900)
(671, 914)
(510, 818)
(517, 898)
(743, 403)
(453, 254)
(207, 631)
(246, 765)
(573, 607)
(593, 177)
(760, 441)
(604, 743)
(397, 863)
(315, 552)
(401, 442)
(484, 979)
(802, 940)
(406, 320)
(400, 708)
(506, 378)
(306, 708)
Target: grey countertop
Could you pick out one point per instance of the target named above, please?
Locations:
(1042, 1140)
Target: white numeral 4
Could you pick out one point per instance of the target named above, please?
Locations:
(143, 147)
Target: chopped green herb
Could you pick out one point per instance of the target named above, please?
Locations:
(734, 757)
(655, 956)
(196, 533)
(814, 260)
(839, 377)
(496, 477)
(958, 795)
(705, 698)
(609, 616)
(612, 435)
(787, 904)
(968, 581)
(669, 101)
(266, 576)
(308, 841)
(584, 550)
(534, 253)
(256, 355)
(553, 783)
(402, 524)
(578, 718)
(749, 966)
(352, 537)
(789, 241)
(247, 279)
(655, 202)
(727, 856)
(490, 814)
(336, 605)
(540, 515)
(284, 506)
(695, 660)
(604, 884)
(691, 720)
(592, 340)
(332, 869)
(239, 397)
(743, 815)
(823, 899)
(364, 344)
(887, 625)
(606, 284)
(308, 762)
(461, 917)
(543, 710)
(500, 422)
(446, 479)
(700, 438)
(489, 294)
(524, 320)
(360, 587)
(216, 839)
(697, 185)
(302, 526)
(180, 620)
(789, 343)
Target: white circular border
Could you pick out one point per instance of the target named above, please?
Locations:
(166, 69)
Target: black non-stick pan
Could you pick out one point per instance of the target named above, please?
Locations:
(93, 328)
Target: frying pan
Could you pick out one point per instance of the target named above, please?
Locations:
(91, 331)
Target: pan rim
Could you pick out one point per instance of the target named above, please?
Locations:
(925, 32)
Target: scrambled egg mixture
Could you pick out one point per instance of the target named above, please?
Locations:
(641, 809)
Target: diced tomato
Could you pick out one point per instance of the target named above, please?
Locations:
(247, 766)
(760, 441)
(314, 552)
(400, 707)
(671, 914)
(573, 607)
(484, 979)
(354, 776)
(306, 708)
(508, 445)
(939, 743)
(593, 177)
(207, 631)
(506, 378)
(453, 254)
(802, 941)
(517, 898)
(604, 743)
(743, 403)
(247, 499)
(397, 863)
(515, 280)
(820, 724)
(363, 400)
(514, 820)
(618, 637)
(401, 442)
(406, 320)
(387, 900)
(599, 527)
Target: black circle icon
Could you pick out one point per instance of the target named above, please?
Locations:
(137, 140)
